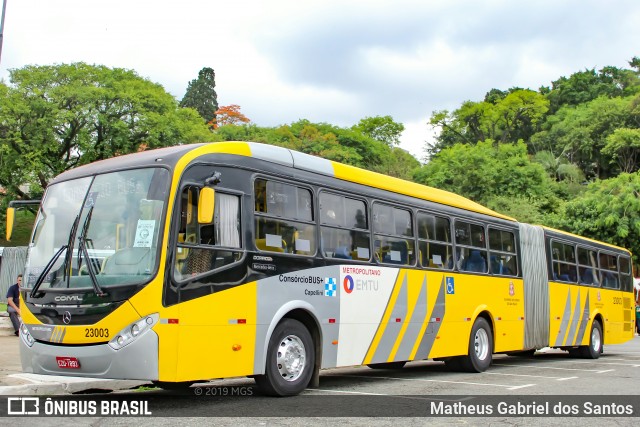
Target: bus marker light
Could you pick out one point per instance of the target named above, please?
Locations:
(236, 347)
(173, 321)
(335, 342)
(498, 318)
(242, 321)
(398, 320)
(332, 320)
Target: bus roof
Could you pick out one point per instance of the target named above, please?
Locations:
(576, 236)
(344, 172)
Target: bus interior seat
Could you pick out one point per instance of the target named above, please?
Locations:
(587, 277)
(496, 265)
(262, 245)
(342, 252)
(400, 246)
(476, 263)
(128, 261)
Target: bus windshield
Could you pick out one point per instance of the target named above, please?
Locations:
(99, 231)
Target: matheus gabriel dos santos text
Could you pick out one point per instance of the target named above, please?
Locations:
(533, 408)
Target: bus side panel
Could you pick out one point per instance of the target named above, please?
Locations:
(503, 299)
(217, 334)
(568, 304)
(617, 328)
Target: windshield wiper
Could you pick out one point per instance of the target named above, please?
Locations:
(54, 258)
(83, 252)
(46, 269)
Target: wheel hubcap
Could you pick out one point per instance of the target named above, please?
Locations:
(595, 339)
(291, 358)
(481, 344)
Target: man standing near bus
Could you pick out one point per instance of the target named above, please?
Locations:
(13, 304)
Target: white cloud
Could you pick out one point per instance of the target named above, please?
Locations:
(333, 61)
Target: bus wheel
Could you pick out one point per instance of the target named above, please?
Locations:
(388, 365)
(593, 350)
(290, 360)
(480, 348)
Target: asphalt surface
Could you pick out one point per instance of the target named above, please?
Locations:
(15, 382)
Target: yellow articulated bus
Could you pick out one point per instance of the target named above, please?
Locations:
(241, 259)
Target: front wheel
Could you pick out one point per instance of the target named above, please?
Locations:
(290, 360)
(480, 348)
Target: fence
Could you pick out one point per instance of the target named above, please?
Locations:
(13, 260)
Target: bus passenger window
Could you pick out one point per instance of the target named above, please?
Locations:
(344, 229)
(283, 218)
(434, 244)
(394, 242)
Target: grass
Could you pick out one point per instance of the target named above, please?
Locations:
(3, 307)
(21, 229)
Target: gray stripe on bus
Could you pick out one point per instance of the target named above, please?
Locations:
(574, 321)
(415, 324)
(565, 321)
(63, 332)
(433, 327)
(390, 334)
(583, 322)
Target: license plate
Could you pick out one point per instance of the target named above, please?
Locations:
(68, 362)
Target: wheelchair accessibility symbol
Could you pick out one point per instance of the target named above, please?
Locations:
(450, 285)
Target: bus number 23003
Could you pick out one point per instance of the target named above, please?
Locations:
(96, 332)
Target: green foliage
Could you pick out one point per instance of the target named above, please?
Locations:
(21, 229)
(490, 173)
(201, 95)
(623, 146)
(505, 118)
(54, 118)
(608, 210)
(381, 128)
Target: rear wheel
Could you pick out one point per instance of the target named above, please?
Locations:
(290, 360)
(594, 349)
(388, 365)
(480, 348)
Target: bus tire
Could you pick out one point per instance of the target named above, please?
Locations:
(594, 349)
(387, 365)
(290, 360)
(480, 348)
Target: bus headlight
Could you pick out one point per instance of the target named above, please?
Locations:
(131, 332)
(26, 336)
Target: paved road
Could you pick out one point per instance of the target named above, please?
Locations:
(361, 393)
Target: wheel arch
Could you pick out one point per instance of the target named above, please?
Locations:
(306, 314)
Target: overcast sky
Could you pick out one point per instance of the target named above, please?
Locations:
(333, 61)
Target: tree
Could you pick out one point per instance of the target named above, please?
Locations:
(505, 119)
(229, 115)
(609, 210)
(381, 128)
(201, 95)
(623, 145)
(54, 118)
(486, 171)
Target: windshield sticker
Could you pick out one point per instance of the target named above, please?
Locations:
(303, 245)
(144, 233)
(91, 199)
(274, 241)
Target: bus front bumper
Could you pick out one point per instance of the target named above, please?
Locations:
(136, 361)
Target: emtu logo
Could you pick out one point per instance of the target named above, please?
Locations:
(348, 284)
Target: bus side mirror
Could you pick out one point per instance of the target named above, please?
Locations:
(11, 212)
(206, 205)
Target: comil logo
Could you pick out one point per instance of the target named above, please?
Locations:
(348, 284)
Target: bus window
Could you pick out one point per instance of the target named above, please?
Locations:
(588, 267)
(626, 281)
(564, 262)
(609, 271)
(471, 250)
(344, 231)
(283, 218)
(434, 240)
(392, 225)
(206, 247)
(502, 258)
